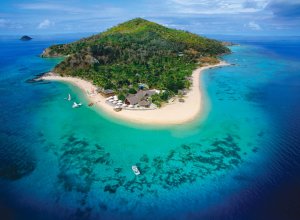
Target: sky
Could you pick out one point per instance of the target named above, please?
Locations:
(228, 17)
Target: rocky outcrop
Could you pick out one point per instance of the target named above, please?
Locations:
(47, 53)
(228, 44)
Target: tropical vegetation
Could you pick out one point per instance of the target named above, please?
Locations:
(134, 52)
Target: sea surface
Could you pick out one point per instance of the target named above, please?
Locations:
(242, 161)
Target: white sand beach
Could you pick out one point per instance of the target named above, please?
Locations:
(173, 113)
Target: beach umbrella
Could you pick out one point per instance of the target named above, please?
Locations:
(116, 98)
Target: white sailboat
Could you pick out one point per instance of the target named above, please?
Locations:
(69, 97)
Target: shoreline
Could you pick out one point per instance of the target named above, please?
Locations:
(174, 113)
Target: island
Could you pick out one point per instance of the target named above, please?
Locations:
(140, 71)
(25, 38)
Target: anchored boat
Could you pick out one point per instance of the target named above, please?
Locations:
(135, 170)
(69, 97)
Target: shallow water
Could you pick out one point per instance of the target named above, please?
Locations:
(64, 163)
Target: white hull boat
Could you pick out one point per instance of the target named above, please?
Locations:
(69, 97)
(135, 170)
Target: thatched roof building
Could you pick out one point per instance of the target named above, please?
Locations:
(144, 103)
(106, 92)
(141, 95)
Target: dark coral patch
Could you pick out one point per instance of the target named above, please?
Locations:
(82, 165)
(16, 170)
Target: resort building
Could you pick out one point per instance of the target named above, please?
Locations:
(106, 92)
(144, 103)
(140, 98)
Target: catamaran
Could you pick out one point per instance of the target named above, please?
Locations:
(135, 170)
(76, 105)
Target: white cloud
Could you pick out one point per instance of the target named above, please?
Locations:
(50, 7)
(254, 26)
(45, 24)
(38, 6)
(217, 6)
(4, 23)
(72, 9)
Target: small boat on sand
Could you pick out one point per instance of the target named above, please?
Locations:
(76, 105)
(135, 170)
(117, 109)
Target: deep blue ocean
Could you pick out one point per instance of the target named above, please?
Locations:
(241, 162)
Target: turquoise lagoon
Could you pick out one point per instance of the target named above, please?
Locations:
(64, 163)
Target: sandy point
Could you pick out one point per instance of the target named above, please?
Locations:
(172, 113)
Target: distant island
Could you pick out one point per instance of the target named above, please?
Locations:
(25, 38)
(143, 64)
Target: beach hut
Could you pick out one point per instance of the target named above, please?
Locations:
(133, 99)
(106, 92)
(149, 93)
(116, 98)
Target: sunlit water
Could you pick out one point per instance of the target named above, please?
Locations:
(64, 163)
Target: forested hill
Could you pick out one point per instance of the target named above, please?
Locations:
(137, 51)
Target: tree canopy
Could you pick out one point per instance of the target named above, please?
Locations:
(137, 51)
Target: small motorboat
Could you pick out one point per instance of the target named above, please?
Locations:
(117, 109)
(135, 170)
(76, 105)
